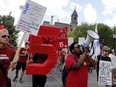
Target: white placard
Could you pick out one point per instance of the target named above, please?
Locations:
(70, 40)
(105, 73)
(114, 35)
(31, 17)
(81, 40)
(113, 59)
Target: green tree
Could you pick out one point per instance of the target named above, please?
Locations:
(114, 30)
(81, 31)
(105, 32)
(8, 23)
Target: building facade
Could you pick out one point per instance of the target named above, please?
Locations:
(71, 26)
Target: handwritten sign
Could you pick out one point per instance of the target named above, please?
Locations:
(81, 40)
(105, 73)
(70, 40)
(31, 17)
(113, 59)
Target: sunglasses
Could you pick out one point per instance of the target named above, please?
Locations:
(4, 36)
(106, 50)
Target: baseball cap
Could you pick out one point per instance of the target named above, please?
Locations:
(1, 27)
(106, 48)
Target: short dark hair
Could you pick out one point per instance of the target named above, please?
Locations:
(26, 43)
(45, 42)
(72, 46)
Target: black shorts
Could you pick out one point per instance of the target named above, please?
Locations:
(21, 65)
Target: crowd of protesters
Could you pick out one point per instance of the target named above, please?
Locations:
(76, 62)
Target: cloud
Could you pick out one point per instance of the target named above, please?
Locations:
(111, 22)
(3, 7)
(109, 6)
(109, 11)
(55, 7)
(90, 13)
(73, 5)
(7, 6)
(60, 9)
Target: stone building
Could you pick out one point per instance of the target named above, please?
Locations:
(71, 26)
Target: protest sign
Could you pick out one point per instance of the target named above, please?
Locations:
(105, 73)
(55, 36)
(31, 17)
(29, 22)
(70, 40)
(81, 40)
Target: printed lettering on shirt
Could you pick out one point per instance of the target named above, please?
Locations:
(23, 51)
(3, 56)
(85, 63)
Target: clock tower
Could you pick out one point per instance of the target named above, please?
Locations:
(74, 21)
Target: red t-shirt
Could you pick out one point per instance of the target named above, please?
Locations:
(6, 55)
(23, 59)
(76, 78)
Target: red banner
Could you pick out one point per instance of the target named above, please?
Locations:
(49, 32)
(57, 43)
(61, 41)
(63, 33)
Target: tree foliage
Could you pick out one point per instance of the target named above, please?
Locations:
(105, 33)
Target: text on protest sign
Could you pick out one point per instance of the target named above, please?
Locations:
(31, 17)
(105, 73)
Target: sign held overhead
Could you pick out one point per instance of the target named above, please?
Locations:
(31, 17)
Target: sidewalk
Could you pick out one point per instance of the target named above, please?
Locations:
(92, 79)
(53, 80)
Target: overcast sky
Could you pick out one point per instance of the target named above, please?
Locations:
(90, 11)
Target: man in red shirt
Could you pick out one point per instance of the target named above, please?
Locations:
(21, 63)
(77, 66)
(6, 56)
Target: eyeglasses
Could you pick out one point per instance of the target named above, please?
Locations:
(4, 36)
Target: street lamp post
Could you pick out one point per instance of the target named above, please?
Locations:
(1, 22)
(114, 36)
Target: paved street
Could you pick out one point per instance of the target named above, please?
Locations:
(92, 79)
(53, 80)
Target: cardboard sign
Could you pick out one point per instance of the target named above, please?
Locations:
(81, 40)
(54, 36)
(46, 67)
(105, 73)
(49, 31)
(70, 40)
(31, 17)
(58, 43)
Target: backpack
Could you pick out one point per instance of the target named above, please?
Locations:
(64, 75)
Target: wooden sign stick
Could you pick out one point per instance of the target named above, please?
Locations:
(17, 53)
